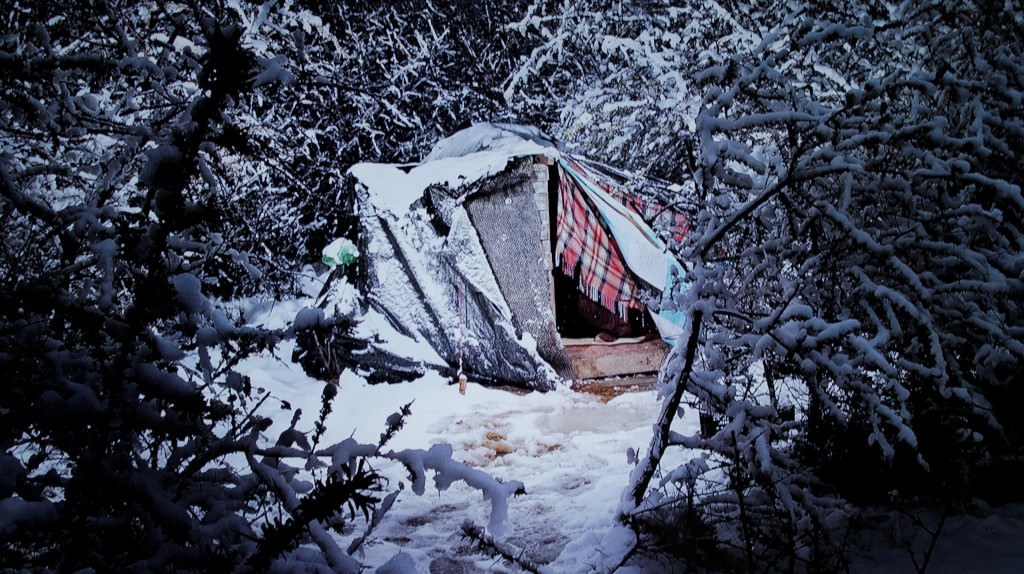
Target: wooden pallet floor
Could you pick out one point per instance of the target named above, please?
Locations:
(623, 358)
(612, 387)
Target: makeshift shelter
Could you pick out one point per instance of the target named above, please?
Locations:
(519, 263)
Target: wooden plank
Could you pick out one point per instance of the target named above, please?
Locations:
(600, 360)
(610, 388)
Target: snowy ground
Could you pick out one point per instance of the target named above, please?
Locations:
(569, 449)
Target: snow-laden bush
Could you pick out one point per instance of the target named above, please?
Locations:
(621, 78)
(857, 253)
(134, 196)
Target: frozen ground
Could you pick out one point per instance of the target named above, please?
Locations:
(569, 449)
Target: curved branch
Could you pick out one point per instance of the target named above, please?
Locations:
(644, 472)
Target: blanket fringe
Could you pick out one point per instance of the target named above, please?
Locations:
(593, 292)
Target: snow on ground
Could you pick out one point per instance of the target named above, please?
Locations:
(568, 448)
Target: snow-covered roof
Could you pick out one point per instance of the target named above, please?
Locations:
(508, 138)
(477, 152)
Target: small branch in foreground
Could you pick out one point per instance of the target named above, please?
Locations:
(921, 566)
(488, 544)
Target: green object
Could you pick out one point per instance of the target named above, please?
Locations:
(340, 252)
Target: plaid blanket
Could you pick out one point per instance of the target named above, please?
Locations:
(584, 245)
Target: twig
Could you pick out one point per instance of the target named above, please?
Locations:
(933, 539)
(488, 544)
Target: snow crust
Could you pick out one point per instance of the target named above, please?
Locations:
(567, 448)
(470, 155)
(508, 138)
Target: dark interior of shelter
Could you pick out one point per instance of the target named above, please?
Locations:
(578, 317)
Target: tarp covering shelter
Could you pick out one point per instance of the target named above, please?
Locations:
(465, 249)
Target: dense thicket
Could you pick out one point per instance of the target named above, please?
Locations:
(857, 253)
(158, 161)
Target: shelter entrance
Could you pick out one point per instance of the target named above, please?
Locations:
(579, 317)
(602, 338)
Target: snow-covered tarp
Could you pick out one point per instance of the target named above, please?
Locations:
(428, 272)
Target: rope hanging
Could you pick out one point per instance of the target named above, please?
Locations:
(462, 338)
